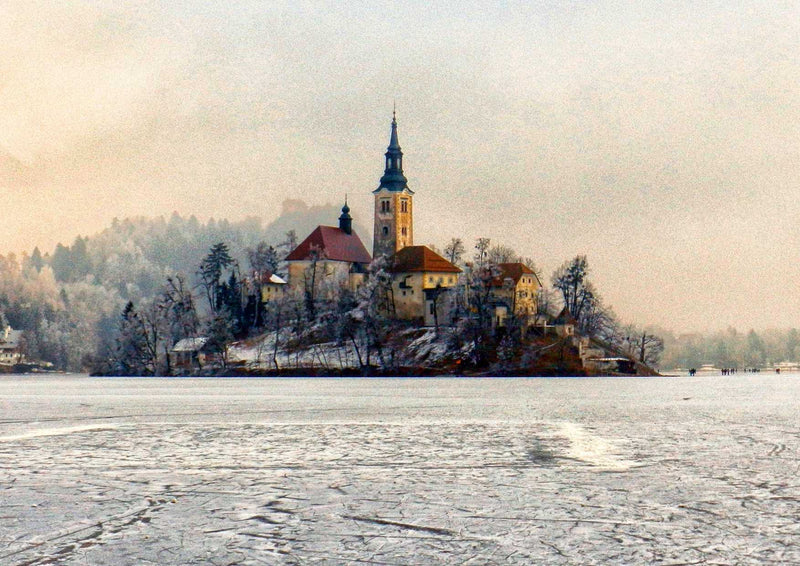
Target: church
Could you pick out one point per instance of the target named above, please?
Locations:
(335, 256)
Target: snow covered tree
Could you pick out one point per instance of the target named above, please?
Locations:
(263, 259)
(220, 333)
(130, 352)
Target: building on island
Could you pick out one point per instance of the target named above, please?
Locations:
(517, 286)
(272, 287)
(421, 279)
(394, 204)
(329, 257)
(565, 324)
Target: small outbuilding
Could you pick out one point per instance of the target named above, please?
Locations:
(189, 353)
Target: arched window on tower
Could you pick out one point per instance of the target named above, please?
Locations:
(385, 205)
(404, 205)
(385, 230)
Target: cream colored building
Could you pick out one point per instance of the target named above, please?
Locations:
(518, 287)
(272, 287)
(421, 280)
(10, 346)
(329, 258)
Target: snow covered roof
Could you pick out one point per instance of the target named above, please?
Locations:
(190, 344)
(272, 278)
(334, 244)
(421, 258)
(9, 338)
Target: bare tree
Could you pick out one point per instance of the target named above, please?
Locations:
(502, 254)
(482, 251)
(278, 314)
(313, 277)
(178, 314)
(454, 251)
(644, 346)
(581, 300)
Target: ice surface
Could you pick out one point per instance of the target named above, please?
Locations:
(399, 471)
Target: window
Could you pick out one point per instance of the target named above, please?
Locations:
(385, 230)
(385, 205)
(431, 308)
(404, 231)
(404, 205)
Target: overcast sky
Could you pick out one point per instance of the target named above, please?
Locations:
(658, 138)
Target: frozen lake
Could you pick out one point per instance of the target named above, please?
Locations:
(398, 471)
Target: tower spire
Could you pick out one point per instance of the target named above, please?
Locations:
(393, 226)
(345, 220)
(393, 178)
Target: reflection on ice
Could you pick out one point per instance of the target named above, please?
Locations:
(599, 452)
(55, 431)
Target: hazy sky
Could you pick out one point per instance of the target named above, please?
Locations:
(658, 138)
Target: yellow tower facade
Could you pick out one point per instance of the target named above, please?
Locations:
(394, 204)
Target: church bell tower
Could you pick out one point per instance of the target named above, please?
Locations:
(393, 223)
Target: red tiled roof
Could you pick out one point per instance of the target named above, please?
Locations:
(334, 244)
(513, 271)
(421, 258)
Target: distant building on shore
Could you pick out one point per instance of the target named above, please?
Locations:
(11, 347)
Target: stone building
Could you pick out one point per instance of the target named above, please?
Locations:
(394, 204)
